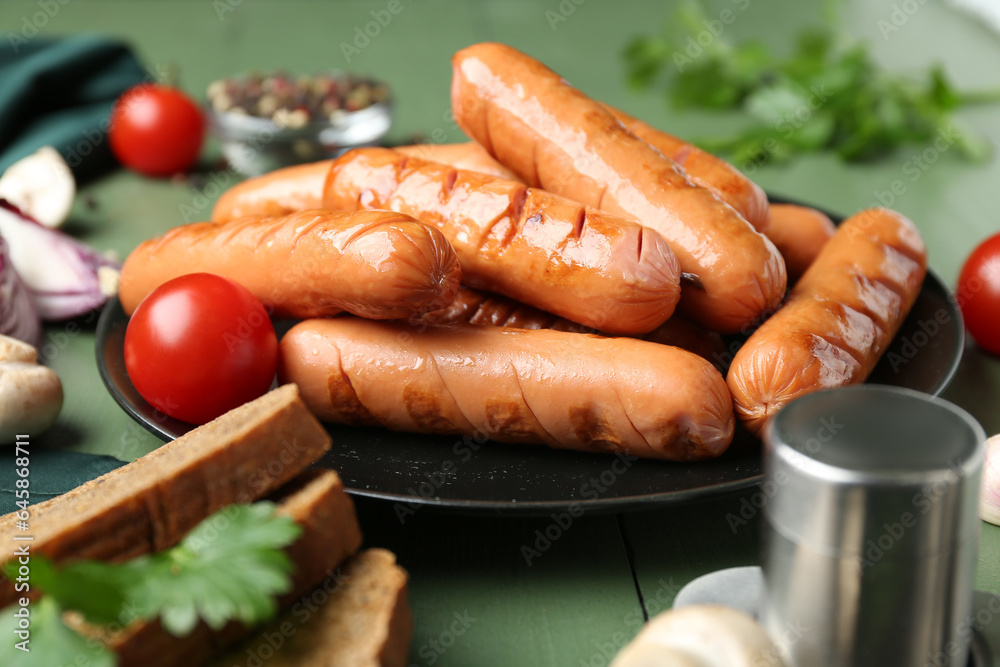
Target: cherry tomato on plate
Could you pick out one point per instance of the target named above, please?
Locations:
(200, 345)
(156, 130)
(979, 294)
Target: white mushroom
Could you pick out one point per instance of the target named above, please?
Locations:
(989, 495)
(12, 349)
(31, 395)
(41, 185)
(700, 636)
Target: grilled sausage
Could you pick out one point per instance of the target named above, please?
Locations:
(472, 306)
(555, 137)
(280, 192)
(484, 309)
(838, 320)
(567, 390)
(469, 155)
(375, 264)
(799, 233)
(704, 169)
(593, 268)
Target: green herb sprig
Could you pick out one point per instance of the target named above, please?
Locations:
(824, 96)
(228, 568)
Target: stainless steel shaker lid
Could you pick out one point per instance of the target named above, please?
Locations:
(847, 463)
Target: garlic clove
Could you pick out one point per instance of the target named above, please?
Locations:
(705, 635)
(41, 185)
(989, 495)
(657, 655)
(31, 397)
(12, 349)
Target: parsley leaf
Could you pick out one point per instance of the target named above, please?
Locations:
(51, 642)
(824, 96)
(228, 568)
(95, 589)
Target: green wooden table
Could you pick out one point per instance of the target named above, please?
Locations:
(475, 598)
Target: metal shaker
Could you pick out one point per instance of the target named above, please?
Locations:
(871, 535)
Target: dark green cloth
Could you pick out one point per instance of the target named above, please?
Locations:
(51, 473)
(59, 93)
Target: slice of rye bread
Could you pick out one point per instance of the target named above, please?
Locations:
(150, 504)
(364, 621)
(330, 534)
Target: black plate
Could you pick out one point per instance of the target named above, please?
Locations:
(465, 475)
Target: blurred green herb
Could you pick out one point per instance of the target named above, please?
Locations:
(822, 97)
(51, 641)
(229, 567)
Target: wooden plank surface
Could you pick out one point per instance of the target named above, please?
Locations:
(549, 590)
(577, 602)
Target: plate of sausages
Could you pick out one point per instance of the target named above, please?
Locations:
(574, 310)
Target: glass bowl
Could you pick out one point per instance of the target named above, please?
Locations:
(255, 145)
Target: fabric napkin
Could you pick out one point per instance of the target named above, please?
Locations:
(59, 92)
(50, 473)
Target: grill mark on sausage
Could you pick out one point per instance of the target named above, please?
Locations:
(683, 444)
(299, 235)
(593, 430)
(894, 286)
(469, 425)
(833, 342)
(868, 287)
(519, 199)
(395, 222)
(478, 313)
(229, 232)
(581, 220)
(425, 409)
(506, 418)
(867, 224)
(517, 380)
(513, 213)
(681, 155)
(499, 311)
(484, 312)
(628, 417)
(834, 309)
(344, 399)
(908, 252)
(449, 182)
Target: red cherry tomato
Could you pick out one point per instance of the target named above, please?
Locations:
(979, 294)
(156, 130)
(200, 345)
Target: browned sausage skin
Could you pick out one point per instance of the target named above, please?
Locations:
(375, 264)
(799, 233)
(566, 390)
(298, 188)
(588, 266)
(554, 137)
(838, 320)
(472, 306)
(280, 192)
(469, 155)
(705, 169)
